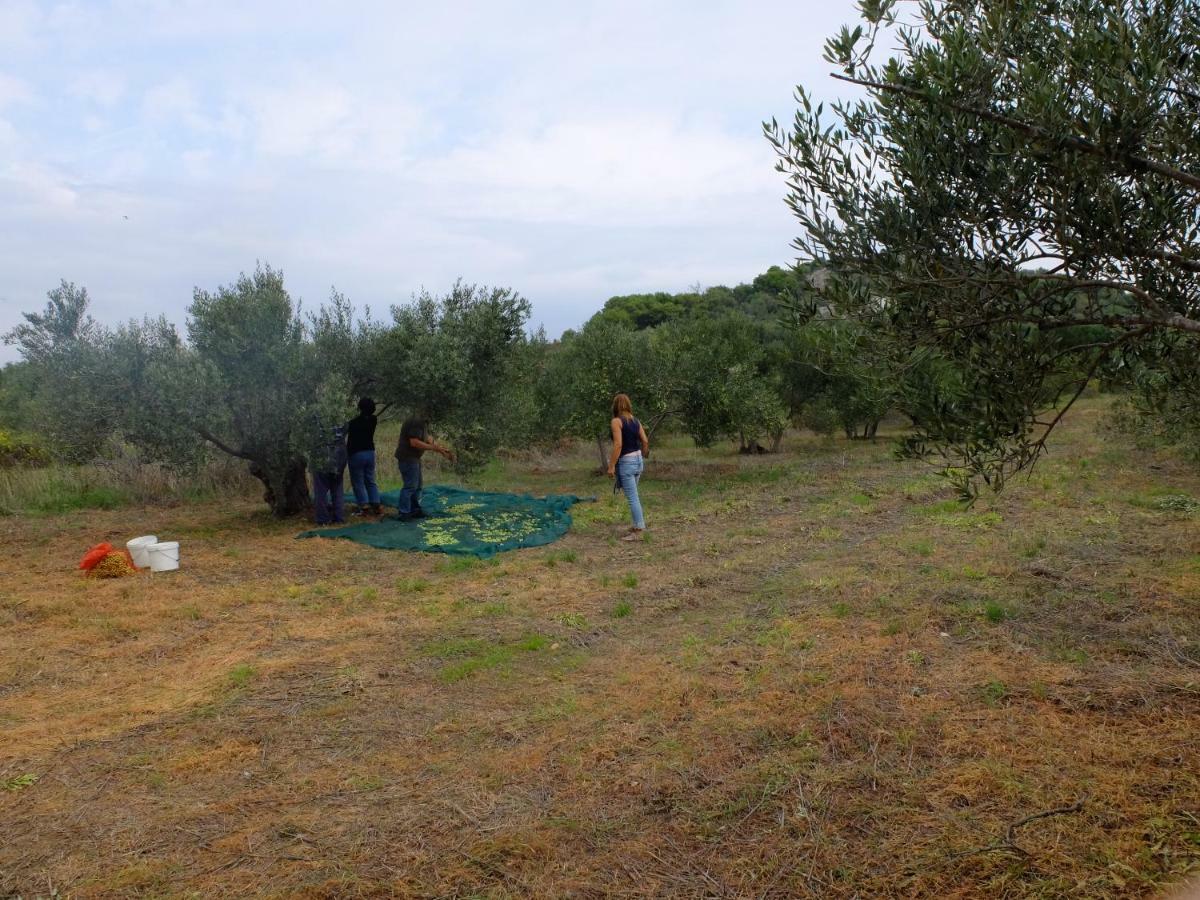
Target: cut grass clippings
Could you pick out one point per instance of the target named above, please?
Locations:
(824, 678)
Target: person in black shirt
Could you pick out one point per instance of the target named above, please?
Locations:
(630, 446)
(360, 448)
(414, 441)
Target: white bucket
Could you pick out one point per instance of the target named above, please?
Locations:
(164, 556)
(137, 549)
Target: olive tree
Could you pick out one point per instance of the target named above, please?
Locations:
(256, 380)
(462, 360)
(62, 366)
(1017, 177)
(586, 369)
(714, 381)
(247, 382)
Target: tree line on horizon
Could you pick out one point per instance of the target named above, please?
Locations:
(254, 378)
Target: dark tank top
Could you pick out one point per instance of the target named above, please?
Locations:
(631, 441)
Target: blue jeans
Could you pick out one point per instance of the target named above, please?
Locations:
(410, 494)
(629, 470)
(362, 478)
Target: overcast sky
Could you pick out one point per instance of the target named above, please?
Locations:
(572, 151)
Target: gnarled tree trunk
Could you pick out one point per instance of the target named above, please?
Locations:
(285, 490)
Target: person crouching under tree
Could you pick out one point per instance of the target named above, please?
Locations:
(414, 441)
(328, 463)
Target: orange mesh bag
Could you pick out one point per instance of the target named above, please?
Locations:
(94, 556)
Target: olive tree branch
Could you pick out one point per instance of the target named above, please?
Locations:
(1083, 145)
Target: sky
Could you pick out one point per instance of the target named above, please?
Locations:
(570, 151)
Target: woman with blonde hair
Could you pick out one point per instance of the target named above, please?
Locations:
(630, 447)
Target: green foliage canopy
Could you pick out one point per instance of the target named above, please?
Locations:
(1018, 173)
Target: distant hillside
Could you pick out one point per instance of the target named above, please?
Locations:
(766, 299)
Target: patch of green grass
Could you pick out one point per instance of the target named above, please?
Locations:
(563, 556)
(241, 675)
(994, 692)
(1034, 547)
(1177, 503)
(953, 514)
(562, 708)
(365, 782)
(458, 564)
(783, 636)
(622, 609)
(412, 585)
(18, 782)
(573, 620)
(922, 547)
(841, 609)
(495, 610)
(476, 655)
(940, 508)
(629, 581)
(1073, 655)
(994, 612)
(59, 496)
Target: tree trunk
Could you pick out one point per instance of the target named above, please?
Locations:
(285, 490)
(776, 441)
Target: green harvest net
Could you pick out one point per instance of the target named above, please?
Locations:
(463, 522)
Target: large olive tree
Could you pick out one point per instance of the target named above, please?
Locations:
(1016, 194)
(248, 381)
(464, 361)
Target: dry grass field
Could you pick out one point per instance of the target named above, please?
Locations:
(819, 677)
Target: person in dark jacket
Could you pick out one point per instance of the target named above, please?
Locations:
(360, 450)
(414, 441)
(328, 471)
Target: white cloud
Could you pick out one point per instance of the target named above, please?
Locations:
(14, 91)
(331, 124)
(638, 170)
(19, 20)
(304, 122)
(174, 99)
(39, 186)
(198, 163)
(103, 87)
